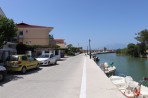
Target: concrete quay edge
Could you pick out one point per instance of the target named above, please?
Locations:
(98, 85)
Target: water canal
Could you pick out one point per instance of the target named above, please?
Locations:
(135, 67)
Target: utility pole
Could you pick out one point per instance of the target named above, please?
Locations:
(89, 49)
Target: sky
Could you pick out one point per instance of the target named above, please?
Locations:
(107, 23)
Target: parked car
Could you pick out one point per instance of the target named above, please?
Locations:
(57, 57)
(3, 73)
(21, 63)
(47, 59)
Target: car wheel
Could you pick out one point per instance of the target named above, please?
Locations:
(49, 63)
(55, 62)
(37, 66)
(23, 71)
(1, 77)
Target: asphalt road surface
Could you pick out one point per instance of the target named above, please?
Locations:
(56, 81)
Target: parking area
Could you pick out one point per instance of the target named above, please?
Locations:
(53, 81)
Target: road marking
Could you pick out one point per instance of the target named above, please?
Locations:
(83, 83)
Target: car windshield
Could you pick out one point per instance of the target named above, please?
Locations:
(43, 56)
(12, 58)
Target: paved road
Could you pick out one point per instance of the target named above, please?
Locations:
(73, 77)
(60, 81)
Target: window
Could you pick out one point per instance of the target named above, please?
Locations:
(46, 56)
(21, 33)
(24, 58)
(12, 58)
(51, 55)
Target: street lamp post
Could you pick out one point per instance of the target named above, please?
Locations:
(89, 49)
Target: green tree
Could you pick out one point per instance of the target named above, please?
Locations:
(141, 49)
(142, 36)
(121, 51)
(71, 50)
(7, 30)
(69, 46)
(132, 50)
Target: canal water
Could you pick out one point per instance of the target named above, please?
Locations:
(135, 67)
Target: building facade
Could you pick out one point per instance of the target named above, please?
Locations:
(33, 34)
(60, 43)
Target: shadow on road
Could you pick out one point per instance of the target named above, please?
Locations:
(63, 59)
(51, 65)
(32, 71)
(10, 77)
(13, 76)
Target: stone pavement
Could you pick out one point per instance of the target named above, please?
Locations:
(98, 84)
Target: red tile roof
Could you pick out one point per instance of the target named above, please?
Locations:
(24, 25)
(59, 41)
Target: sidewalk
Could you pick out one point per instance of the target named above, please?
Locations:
(98, 84)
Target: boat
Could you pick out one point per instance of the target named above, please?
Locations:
(130, 88)
(108, 70)
(95, 58)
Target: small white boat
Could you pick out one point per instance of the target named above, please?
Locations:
(108, 69)
(129, 87)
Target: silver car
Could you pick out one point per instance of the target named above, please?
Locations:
(46, 59)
